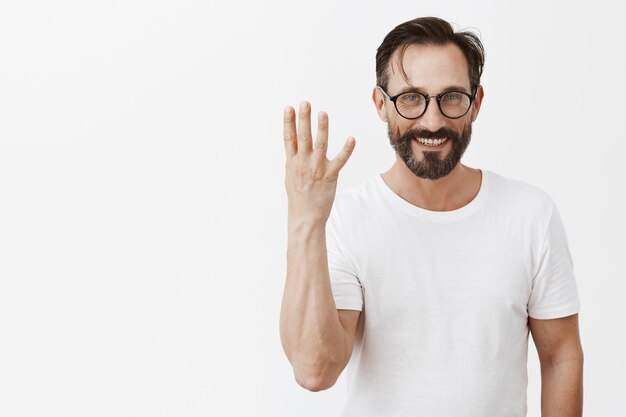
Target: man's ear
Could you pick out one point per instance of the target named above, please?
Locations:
(379, 102)
(480, 93)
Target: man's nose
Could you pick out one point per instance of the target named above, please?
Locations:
(432, 119)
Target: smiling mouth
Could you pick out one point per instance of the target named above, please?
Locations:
(432, 142)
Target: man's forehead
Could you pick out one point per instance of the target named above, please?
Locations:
(429, 67)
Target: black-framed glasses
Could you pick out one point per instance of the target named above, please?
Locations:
(452, 104)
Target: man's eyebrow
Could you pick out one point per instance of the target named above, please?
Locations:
(411, 89)
(456, 88)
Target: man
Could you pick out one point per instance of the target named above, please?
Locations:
(428, 278)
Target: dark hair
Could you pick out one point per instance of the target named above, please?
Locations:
(429, 31)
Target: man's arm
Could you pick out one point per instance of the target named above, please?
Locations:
(561, 357)
(316, 338)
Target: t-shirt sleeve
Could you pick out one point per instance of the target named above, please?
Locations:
(344, 281)
(554, 293)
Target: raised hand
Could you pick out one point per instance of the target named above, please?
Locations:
(311, 179)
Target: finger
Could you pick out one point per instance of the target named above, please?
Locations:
(304, 127)
(289, 132)
(341, 159)
(321, 137)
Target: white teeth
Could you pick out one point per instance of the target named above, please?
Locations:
(431, 142)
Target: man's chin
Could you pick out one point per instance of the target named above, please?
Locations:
(431, 166)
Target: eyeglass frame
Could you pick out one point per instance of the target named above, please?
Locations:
(393, 99)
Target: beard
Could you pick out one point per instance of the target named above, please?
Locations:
(431, 166)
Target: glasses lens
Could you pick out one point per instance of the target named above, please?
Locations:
(454, 104)
(411, 105)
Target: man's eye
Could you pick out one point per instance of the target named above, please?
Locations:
(452, 97)
(412, 98)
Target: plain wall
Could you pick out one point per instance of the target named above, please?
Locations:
(142, 203)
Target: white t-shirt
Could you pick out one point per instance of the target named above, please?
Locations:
(445, 296)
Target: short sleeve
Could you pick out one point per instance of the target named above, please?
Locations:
(554, 293)
(344, 281)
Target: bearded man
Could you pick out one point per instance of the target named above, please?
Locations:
(425, 281)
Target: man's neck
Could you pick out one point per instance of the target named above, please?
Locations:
(455, 190)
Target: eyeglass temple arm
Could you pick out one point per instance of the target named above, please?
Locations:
(384, 92)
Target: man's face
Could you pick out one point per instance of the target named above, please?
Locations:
(430, 70)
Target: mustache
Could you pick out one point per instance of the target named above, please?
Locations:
(441, 133)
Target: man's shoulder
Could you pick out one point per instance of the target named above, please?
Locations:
(519, 193)
(356, 202)
(358, 193)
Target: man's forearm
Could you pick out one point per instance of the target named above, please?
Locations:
(562, 388)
